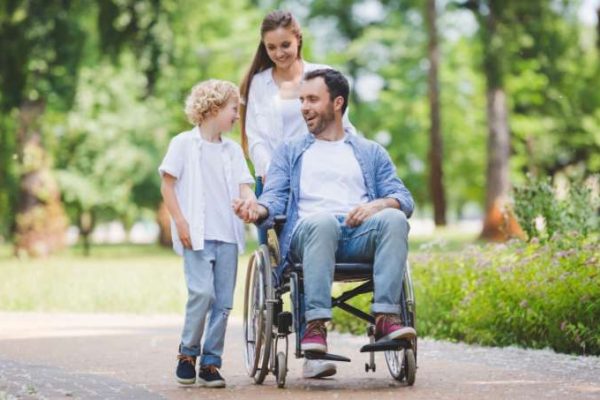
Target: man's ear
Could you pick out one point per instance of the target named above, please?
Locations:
(338, 103)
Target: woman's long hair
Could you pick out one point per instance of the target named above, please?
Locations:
(261, 61)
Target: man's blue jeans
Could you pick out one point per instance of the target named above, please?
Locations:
(210, 277)
(322, 239)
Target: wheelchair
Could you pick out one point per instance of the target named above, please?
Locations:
(267, 326)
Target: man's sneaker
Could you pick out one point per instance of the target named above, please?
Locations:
(186, 369)
(318, 369)
(389, 327)
(315, 337)
(209, 376)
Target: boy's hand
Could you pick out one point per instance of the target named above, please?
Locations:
(183, 230)
(246, 210)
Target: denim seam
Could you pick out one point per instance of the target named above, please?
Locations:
(360, 234)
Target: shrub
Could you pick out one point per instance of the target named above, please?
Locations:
(537, 201)
(536, 294)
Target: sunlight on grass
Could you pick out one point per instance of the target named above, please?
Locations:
(131, 279)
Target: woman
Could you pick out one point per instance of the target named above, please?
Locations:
(270, 110)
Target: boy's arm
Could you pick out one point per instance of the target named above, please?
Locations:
(167, 189)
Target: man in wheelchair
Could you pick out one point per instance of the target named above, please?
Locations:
(343, 202)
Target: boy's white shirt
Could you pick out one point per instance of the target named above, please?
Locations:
(184, 161)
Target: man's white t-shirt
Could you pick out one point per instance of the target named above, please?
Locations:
(331, 180)
(217, 223)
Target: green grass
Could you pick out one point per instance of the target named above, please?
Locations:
(115, 278)
(129, 278)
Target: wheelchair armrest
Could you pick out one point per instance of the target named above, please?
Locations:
(279, 223)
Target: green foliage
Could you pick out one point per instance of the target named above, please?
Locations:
(528, 294)
(543, 215)
(109, 145)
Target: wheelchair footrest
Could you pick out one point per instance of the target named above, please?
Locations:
(314, 355)
(386, 345)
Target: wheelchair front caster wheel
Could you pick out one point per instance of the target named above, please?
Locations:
(411, 366)
(369, 368)
(281, 369)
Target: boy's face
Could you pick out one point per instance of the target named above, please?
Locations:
(228, 115)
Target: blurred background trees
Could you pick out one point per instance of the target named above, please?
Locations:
(467, 96)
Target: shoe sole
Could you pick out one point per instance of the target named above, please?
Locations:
(185, 381)
(213, 384)
(322, 374)
(319, 348)
(404, 333)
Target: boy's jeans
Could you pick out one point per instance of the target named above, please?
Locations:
(321, 239)
(210, 277)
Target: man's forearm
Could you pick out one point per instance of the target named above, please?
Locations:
(386, 202)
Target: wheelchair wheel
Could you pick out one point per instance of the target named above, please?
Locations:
(410, 366)
(258, 314)
(394, 364)
(281, 369)
(402, 365)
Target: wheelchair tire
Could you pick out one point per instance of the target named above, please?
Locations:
(264, 266)
(258, 315)
(410, 366)
(394, 364)
(281, 369)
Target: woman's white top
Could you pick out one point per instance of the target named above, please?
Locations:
(293, 122)
(265, 115)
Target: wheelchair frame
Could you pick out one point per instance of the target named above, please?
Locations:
(266, 324)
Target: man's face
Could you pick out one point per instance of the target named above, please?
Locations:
(317, 107)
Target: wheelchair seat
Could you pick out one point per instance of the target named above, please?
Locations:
(345, 272)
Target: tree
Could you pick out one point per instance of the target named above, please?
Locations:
(436, 176)
(499, 223)
(41, 45)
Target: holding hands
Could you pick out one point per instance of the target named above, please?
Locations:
(246, 209)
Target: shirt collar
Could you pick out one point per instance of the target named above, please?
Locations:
(197, 137)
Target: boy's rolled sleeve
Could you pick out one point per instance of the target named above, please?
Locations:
(172, 164)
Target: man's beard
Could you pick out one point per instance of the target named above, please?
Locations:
(323, 121)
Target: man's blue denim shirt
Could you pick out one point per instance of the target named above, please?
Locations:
(282, 188)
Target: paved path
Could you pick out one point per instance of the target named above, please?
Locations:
(75, 356)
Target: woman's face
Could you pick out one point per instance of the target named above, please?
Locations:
(282, 47)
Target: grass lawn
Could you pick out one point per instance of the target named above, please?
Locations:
(127, 278)
(115, 278)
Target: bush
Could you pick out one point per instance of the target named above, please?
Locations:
(529, 294)
(537, 201)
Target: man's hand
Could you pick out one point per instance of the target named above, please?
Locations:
(183, 230)
(247, 210)
(359, 214)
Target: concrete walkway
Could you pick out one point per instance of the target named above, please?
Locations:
(81, 356)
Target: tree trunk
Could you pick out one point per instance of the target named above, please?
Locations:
(598, 28)
(164, 223)
(87, 223)
(436, 176)
(41, 220)
(499, 223)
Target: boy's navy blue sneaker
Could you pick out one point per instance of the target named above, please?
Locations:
(209, 376)
(186, 369)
